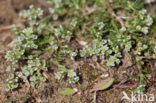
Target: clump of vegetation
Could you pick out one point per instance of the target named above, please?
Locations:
(12, 81)
(71, 75)
(107, 33)
(33, 70)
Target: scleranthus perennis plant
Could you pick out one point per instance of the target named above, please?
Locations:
(25, 41)
(106, 31)
(71, 75)
(12, 81)
(33, 70)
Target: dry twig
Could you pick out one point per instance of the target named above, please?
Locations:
(6, 27)
(2, 52)
(118, 18)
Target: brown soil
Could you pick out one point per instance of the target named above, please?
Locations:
(88, 69)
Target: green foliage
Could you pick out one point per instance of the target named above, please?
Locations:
(70, 53)
(12, 81)
(32, 15)
(107, 30)
(24, 42)
(33, 70)
(71, 75)
(141, 86)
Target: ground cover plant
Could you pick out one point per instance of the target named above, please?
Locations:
(114, 34)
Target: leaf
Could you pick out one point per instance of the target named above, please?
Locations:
(139, 4)
(67, 91)
(114, 24)
(63, 68)
(103, 84)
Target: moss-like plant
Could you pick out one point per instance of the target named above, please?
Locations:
(107, 28)
(71, 75)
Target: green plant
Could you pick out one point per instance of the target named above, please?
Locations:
(39, 36)
(141, 86)
(71, 75)
(32, 15)
(107, 31)
(33, 70)
(12, 81)
(68, 51)
(24, 42)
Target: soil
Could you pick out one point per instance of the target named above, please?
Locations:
(88, 69)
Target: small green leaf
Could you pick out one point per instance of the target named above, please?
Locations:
(139, 4)
(66, 91)
(63, 68)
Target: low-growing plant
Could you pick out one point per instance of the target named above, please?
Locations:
(107, 31)
(142, 85)
(39, 36)
(63, 72)
(12, 82)
(33, 71)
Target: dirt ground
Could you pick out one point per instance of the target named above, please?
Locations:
(88, 69)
